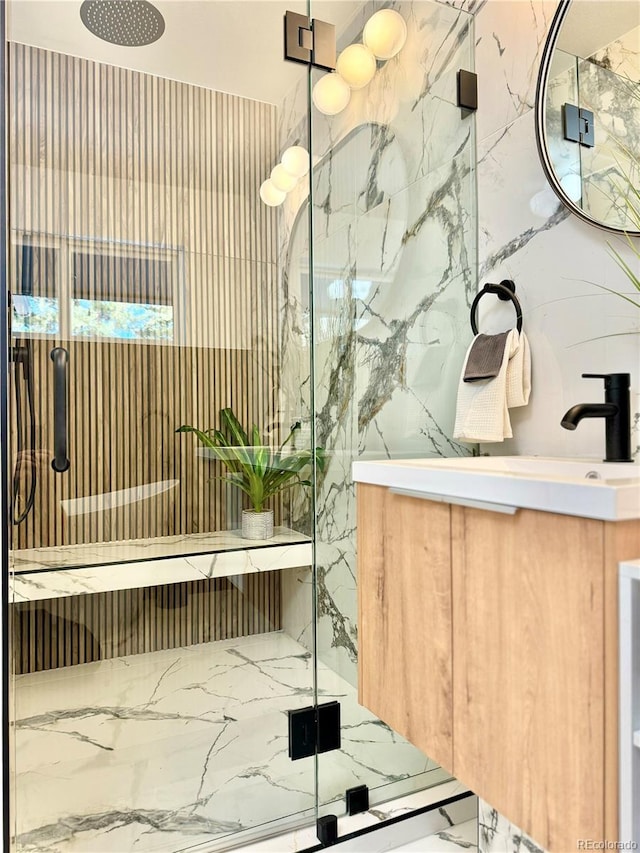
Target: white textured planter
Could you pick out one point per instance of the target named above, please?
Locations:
(257, 525)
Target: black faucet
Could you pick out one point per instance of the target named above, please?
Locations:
(616, 411)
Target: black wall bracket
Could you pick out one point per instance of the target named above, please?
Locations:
(311, 42)
(578, 125)
(313, 730)
(467, 92)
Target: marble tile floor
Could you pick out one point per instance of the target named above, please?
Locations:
(169, 750)
(457, 837)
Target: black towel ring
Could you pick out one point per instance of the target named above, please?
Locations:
(506, 290)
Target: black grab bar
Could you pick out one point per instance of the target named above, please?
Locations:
(60, 358)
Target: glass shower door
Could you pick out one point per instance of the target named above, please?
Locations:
(158, 637)
(394, 274)
(163, 302)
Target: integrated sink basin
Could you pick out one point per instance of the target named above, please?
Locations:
(609, 491)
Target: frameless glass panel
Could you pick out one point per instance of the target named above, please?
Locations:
(609, 170)
(393, 242)
(563, 89)
(161, 581)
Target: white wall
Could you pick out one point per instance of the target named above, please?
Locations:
(555, 259)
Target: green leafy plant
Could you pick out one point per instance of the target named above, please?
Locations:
(627, 198)
(261, 472)
(629, 193)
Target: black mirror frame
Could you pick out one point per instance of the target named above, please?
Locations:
(540, 121)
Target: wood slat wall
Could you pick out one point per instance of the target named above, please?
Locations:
(108, 153)
(105, 159)
(125, 402)
(84, 628)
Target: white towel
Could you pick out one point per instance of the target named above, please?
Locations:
(481, 410)
(519, 373)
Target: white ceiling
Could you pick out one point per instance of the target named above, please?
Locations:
(593, 24)
(233, 46)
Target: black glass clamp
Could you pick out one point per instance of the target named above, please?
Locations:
(467, 82)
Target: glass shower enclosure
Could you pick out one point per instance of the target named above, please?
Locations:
(219, 296)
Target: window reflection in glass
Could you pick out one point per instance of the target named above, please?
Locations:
(91, 293)
(34, 315)
(124, 320)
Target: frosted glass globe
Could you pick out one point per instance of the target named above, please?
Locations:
(282, 179)
(296, 161)
(385, 33)
(572, 185)
(270, 195)
(356, 65)
(331, 94)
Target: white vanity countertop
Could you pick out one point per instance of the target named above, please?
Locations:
(631, 569)
(580, 487)
(41, 573)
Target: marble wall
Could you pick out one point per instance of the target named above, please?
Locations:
(393, 218)
(393, 239)
(556, 260)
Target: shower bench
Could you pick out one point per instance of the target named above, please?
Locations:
(84, 603)
(44, 573)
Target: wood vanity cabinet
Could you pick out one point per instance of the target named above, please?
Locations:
(490, 642)
(405, 668)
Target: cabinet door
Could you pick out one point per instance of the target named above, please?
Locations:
(404, 593)
(529, 669)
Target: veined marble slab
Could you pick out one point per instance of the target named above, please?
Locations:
(431, 831)
(167, 750)
(42, 573)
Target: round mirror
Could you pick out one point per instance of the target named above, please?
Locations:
(588, 111)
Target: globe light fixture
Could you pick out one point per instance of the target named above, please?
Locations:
(282, 179)
(270, 195)
(385, 33)
(356, 65)
(331, 94)
(572, 185)
(296, 161)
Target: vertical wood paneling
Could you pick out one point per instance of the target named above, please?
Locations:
(115, 158)
(122, 435)
(80, 629)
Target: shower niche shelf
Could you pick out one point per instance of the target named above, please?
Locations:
(44, 573)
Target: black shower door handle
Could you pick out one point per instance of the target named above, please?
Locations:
(60, 358)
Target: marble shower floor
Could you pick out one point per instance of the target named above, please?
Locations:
(162, 751)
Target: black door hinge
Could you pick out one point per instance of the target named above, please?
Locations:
(314, 729)
(309, 41)
(578, 125)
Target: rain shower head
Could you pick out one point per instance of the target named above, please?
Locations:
(131, 23)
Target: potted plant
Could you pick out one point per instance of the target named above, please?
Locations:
(261, 472)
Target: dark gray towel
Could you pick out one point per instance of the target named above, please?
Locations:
(485, 357)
